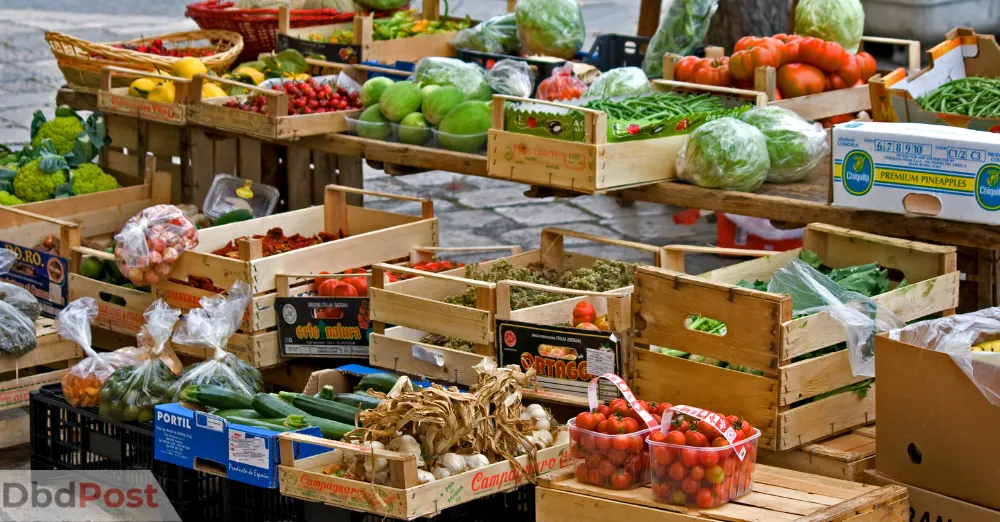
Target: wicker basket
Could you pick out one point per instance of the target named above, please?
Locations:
(81, 61)
(259, 27)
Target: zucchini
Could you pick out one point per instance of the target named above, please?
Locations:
(326, 393)
(331, 429)
(271, 406)
(245, 413)
(320, 407)
(380, 382)
(367, 402)
(215, 396)
(267, 424)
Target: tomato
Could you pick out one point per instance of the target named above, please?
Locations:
(697, 472)
(715, 474)
(713, 72)
(575, 435)
(684, 68)
(621, 479)
(827, 56)
(705, 499)
(588, 441)
(733, 420)
(680, 424)
(689, 457)
(593, 460)
(657, 436)
(359, 283)
(319, 281)
(593, 477)
(328, 288)
(606, 468)
(677, 471)
(850, 69)
(797, 79)
(577, 451)
(584, 313)
(630, 425)
(603, 410)
(614, 426)
(747, 429)
(696, 439)
(603, 442)
(638, 443)
(622, 442)
(745, 43)
(636, 464)
(743, 63)
(729, 466)
(657, 419)
(662, 407)
(642, 405)
(601, 427)
(581, 473)
(586, 421)
(661, 491)
(618, 406)
(598, 417)
(664, 455)
(708, 458)
(689, 485)
(708, 430)
(866, 65)
(676, 437)
(617, 455)
(345, 290)
(678, 497)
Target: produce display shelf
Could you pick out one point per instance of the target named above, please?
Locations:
(778, 495)
(846, 456)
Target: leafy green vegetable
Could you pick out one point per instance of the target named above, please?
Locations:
(682, 28)
(467, 77)
(497, 35)
(794, 145)
(550, 27)
(623, 81)
(725, 154)
(841, 21)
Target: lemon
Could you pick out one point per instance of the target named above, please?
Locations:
(187, 67)
(141, 87)
(164, 92)
(250, 72)
(211, 90)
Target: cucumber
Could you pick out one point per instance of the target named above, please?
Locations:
(245, 413)
(271, 406)
(331, 429)
(215, 396)
(380, 382)
(367, 402)
(267, 424)
(320, 407)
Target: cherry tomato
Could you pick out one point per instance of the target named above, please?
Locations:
(661, 491)
(588, 441)
(638, 443)
(662, 407)
(705, 499)
(689, 485)
(606, 468)
(696, 439)
(680, 424)
(677, 471)
(630, 425)
(617, 455)
(593, 460)
(676, 437)
(678, 497)
(697, 472)
(621, 442)
(603, 442)
(733, 421)
(708, 458)
(729, 466)
(664, 455)
(708, 430)
(657, 419)
(586, 421)
(593, 477)
(603, 410)
(689, 457)
(657, 436)
(602, 427)
(575, 435)
(715, 474)
(598, 417)
(637, 463)
(621, 479)
(747, 429)
(577, 451)
(581, 473)
(614, 426)
(619, 405)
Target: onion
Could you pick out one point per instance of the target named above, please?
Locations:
(170, 255)
(163, 269)
(151, 278)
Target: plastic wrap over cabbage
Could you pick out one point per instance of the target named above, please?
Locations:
(512, 78)
(623, 81)
(497, 35)
(550, 27)
(467, 77)
(725, 154)
(794, 145)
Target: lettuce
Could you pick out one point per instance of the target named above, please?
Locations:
(841, 21)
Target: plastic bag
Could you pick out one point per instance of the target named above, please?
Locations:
(955, 335)
(682, 29)
(131, 392)
(794, 145)
(18, 312)
(498, 35)
(210, 327)
(512, 78)
(724, 154)
(467, 77)
(82, 383)
(623, 81)
(562, 85)
(550, 27)
(861, 317)
(763, 228)
(151, 242)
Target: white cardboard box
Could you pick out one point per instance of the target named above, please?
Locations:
(911, 168)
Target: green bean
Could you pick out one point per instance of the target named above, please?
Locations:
(974, 97)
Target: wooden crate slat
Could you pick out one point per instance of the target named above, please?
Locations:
(825, 418)
(845, 456)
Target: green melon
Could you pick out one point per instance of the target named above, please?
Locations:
(414, 129)
(373, 125)
(400, 99)
(464, 128)
(440, 101)
(372, 90)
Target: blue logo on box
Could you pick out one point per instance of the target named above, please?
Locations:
(987, 191)
(858, 173)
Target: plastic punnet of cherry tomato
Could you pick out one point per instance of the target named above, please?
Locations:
(609, 444)
(694, 465)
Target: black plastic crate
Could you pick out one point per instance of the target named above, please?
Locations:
(65, 437)
(247, 503)
(611, 51)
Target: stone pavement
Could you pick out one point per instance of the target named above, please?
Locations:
(473, 211)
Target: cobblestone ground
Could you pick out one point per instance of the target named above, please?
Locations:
(473, 211)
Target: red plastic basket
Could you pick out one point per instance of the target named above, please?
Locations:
(258, 27)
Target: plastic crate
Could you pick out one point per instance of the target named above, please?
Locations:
(65, 437)
(611, 51)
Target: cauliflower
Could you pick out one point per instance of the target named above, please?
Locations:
(32, 184)
(62, 131)
(9, 199)
(89, 178)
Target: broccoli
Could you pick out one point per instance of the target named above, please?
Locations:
(8, 199)
(63, 132)
(89, 178)
(33, 184)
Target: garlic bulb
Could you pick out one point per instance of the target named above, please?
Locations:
(453, 462)
(423, 476)
(379, 464)
(475, 461)
(408, 445)
(542, 424)
(440, 473)
(536, 411)
(382, 478)
(543, 439)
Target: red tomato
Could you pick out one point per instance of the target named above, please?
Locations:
(603, 442)
(661, 491)
(697, 472)
(577, 451)
(733, 420)
(593, 477)
(586, 421)
(581, 473)
(696, 439)
(797, 79)
(575, 435)
(661, 407)
(593, 460)
(343, 290)
(584, 313)
(730, 465)
(621, 479)
(631, 426)
(850, 69)
(827, 56)
(708, 430)
(432, 266)
(664, 455)
(676, 437)
(619, 406)
(689, 485)
(747, 429)
(606, 468)
(715, 474)
(657, 436)
(603, 410)
(743, 63)
(677, 471)
(791, 48)
(638, 443)
(713, 72)
(617, 455)
(328, 288)
(745, 43)
(708, 458)
(601, 427)
(684, 68)
(689, 457)
(614, 426)
(319, 281)
(657, 419)
(705, 499)
(588, 441)
(637, 463)
(866, 65)
(359, 283)
(679, 424)
(622, 442)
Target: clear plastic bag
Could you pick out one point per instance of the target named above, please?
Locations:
(623, 81)
(763, 228)
(812, 292)
(794, 145)
(151, 242)
(956, 335)
(18, 312)
(467, 77)
(497, 35)
(511, 78)
(210, 327)
(562, 85)
(682, 29)
(550, 27)
(724, 154)
(132, 392)
(82, 383)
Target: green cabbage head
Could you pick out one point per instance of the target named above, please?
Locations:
(550, 27)
(725, 154)
(841, 21)
(794, 144)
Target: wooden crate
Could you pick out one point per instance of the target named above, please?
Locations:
(845, 456)
(116, 100)
(417, 307)
(778, 495)
(404, 498)
(591, 166)
(761, 334)
(20, 375)
(372, 236)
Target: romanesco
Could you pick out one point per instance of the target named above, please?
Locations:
(89, 178)
(62, 131)
(9, 199)
(32, 184)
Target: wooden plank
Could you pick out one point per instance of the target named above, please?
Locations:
(249, 160)
(398, 153)
(826, 104)
(808, 483)
(396, 351)
(824, 418)
(811, 377)
(885, 503)
(349, 174)
(300, 181)
(558, 506)
(15, 428)
(127, 318)
(15, 392)
(202, 170)
(46, 354)
(468, 324)
(756, 269)
(649, 18)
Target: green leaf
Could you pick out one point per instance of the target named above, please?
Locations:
(65, 190)
(257, 64)
(292, 61)
(812, 258)
(7, 174)
(51, 162)
(37, 120)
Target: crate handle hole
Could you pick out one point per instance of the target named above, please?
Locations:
(913, 452)
(706, 325)
(112, 299)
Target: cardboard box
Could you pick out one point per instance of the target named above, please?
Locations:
(910, 168)
(927, 506)
(963, 54)
(936, 429)
(205, 442)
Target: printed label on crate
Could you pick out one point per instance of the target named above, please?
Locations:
(343, 492)
(566, 126)
(15, 392)
(323, 326)
(247, 448)
(564, 358)
(118, 318)
(42, 274)
(141, 107)
(340, 53)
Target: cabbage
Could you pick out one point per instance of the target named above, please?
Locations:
(467, 77)
(623, 81)
(841, 21)
(794, 145)
(550, 27)
(725, 154)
